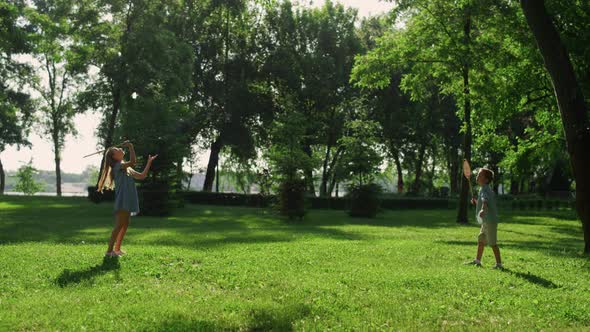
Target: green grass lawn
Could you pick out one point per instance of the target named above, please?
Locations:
(211, 268)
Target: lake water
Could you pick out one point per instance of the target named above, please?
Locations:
(75, 194)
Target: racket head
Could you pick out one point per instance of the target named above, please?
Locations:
(466, 169)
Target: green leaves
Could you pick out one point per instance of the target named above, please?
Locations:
(286, 155)
(362, 151)
(26, 182)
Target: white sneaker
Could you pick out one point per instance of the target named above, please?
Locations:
(498, 266)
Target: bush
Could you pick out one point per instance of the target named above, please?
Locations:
(329, 203)
(292, 198)
(364, 200)
(96, 197)
(26, 182)
(155, 199)
(228, 199)
(418, 203)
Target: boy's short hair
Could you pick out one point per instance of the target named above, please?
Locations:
(488, 173)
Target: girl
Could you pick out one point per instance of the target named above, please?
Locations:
(119, 174)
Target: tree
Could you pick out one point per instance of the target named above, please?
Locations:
(159, 77)
(26, 182)
(310, 56)
(61, 56)
(109, 27)
(228, 103)
(288, 159)
(441, 41)
(362, 158)
(15, 106)
(570, 100)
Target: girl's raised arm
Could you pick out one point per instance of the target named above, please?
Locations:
(132, 159)
(140, 176)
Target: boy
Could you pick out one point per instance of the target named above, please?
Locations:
(487, 215)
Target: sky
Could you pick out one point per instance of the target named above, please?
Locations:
(85, 142)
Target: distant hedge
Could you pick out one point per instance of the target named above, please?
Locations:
(341, 203)
(388, 202)
(229, 199)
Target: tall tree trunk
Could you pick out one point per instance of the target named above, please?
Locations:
(419, 163)
(325, 173)
(308, 173)
(332, 171)
(571, 103)
(496, 185)
(190, 180)
(453, 166)
(513, 186)
(465, 194)
(213, 160)
(400, 175)
(2, 178)
(333, 185)
(57, 169)
(433, 169)
(217, 176)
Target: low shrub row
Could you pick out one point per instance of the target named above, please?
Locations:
(340, 203)
(229, 199)
(536, 204)
(402, 203)
(154, 200)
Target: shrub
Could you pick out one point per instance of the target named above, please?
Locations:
(549, 205)
(292, 198)
(288, 160)
(155, 199)
(228, 199)
(336, 203)
(364, 200)
(96, 197)
(26, 182)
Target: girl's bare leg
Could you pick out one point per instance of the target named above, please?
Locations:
(119, 220)
(122, 231)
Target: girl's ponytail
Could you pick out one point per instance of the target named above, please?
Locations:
(106, 180)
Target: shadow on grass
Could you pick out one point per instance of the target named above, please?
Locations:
(266, 318)
(184, 324)
(560, 249)
(275, 319)
(533, 279)
(68, 277)
(194, 226)
(72, 220)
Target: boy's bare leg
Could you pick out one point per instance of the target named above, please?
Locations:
(480, 247)
(497, 254)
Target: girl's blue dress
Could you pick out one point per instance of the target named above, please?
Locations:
(125, 191)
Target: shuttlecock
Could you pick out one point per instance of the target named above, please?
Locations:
(134, 95)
